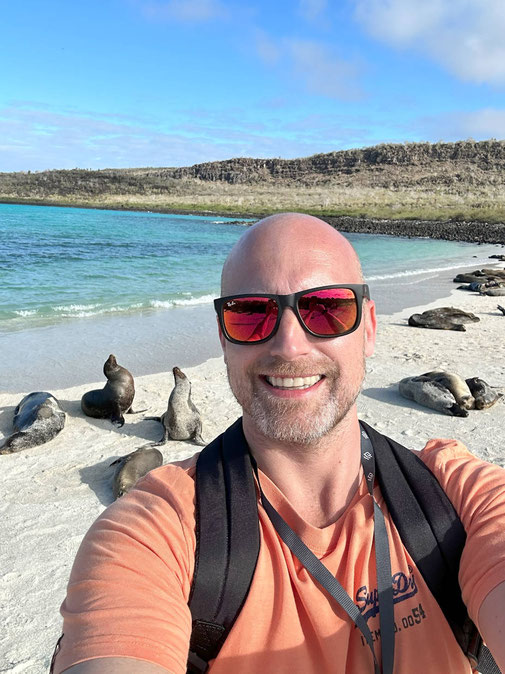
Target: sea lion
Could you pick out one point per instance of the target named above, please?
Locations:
(37, 419)
(456, 385)
(429, 393)
(132, 467)
(502, 309)
(494, 292)
(496, 273)
(182, 419)
(483, 393)
(477, 277)
(435, 323)
(443, 318)
(116, 396)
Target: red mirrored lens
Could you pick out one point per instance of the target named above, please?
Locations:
(249, 319)
(329, 312)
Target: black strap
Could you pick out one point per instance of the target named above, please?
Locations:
(433, 534)
(322, 575)
(486, 663)
(382, 560)
(427, 523)
(226, 520)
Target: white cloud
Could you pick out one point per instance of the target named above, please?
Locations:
(311, 9)
(267, 49)
(477, 124)
(486, 123)
(191, 11)
(464, 36)
(323, 72)
(312, 64)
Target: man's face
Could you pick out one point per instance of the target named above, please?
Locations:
(295, 388)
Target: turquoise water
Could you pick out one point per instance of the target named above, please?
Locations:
(59, 264)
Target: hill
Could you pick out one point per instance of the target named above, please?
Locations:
(463, 182)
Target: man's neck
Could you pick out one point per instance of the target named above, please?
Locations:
(320, 479)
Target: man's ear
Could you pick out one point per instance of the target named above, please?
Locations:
(370, 321)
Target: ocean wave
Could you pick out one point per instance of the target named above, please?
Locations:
(417, 272)
(74, 308)
(86, 311)
(183, 302)
(25, 312)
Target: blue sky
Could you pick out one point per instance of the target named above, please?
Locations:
(125, 83)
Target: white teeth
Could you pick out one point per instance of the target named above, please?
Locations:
(293, 383)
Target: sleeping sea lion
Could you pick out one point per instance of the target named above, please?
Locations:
(494, 292)
(483, 393)
(37, 419)
(474, 277)
(182, 419)
(456, 385)
(114, 398)
(132, 467)
(497, 273)
(443, 318)
(429, 393)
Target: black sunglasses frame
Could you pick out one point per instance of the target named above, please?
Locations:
(360, 291)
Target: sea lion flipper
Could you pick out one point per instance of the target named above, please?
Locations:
(10, 446)
(161, 442)
(197, 434)
(117, 417)
(198, 440)
(132, 411)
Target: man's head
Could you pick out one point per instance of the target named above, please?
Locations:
(284, 254)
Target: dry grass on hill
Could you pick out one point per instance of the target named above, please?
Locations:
(461, 181)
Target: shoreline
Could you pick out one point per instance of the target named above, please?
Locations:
(72, 352)
(469, 231)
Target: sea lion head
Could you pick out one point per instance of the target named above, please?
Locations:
(178, 374)
(110, 365)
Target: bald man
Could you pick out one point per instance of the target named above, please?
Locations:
(296, 324)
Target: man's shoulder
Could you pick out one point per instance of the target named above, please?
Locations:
(171, 480)
(439, 451)
(466, 478)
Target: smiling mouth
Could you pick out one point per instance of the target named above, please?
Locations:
(293, 383)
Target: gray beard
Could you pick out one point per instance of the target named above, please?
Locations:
(274, 423)
(285, 421)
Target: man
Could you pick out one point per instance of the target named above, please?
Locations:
(126, 607)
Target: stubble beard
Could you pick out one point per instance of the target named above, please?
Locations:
(291, 421)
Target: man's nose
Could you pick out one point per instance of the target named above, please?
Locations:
(290, 341)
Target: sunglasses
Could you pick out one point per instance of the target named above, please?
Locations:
(327, 311)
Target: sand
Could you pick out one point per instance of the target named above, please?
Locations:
(51, 494)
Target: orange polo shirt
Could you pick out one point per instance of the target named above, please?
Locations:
(129, 586)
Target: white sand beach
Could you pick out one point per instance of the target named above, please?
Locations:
(52, 493)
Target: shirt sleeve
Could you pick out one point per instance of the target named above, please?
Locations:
(476, 489)
(129, 586)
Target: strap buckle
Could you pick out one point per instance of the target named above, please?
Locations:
(196, 664)
(473, 650)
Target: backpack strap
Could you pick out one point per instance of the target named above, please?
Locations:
(433, 534)
(228, 540)
(227, 543)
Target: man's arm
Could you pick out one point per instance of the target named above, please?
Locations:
(492, 623)
(116, 666)
(126, 604)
